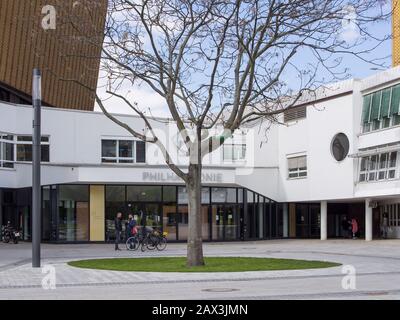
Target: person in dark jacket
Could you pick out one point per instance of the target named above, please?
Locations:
(118, 230)
(346, 227)
(130, 224)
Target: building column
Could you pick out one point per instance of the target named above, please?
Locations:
(324, 220)
(368, 220)
(285, 220)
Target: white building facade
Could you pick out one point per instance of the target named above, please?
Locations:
(333, 160)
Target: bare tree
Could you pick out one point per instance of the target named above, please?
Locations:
(219, 64)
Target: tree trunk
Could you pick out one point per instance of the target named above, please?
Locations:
(195, 242)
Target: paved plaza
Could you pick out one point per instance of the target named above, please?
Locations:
(377, 267)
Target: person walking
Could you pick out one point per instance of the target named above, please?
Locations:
(385, 225)
(118, 230)
(354, 227)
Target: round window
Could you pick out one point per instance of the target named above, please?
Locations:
(340, 146)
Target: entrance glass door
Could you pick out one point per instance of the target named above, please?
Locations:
(218, 213)
(231, 222)
(225, 222)
(25, 222)
(170, 221)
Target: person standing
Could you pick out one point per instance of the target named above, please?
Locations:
(130, 224)
(345, 227)
(118, 230)
(354, 227)
(385, 225)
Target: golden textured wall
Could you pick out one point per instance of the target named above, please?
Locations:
(59, 53)
(97, 213)
(396, 33)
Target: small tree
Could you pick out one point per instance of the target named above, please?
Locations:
(219, 64)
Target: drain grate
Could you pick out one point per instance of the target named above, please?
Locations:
(376, 293)
(220, 290)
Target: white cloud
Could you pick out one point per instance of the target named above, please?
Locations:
(147, 100)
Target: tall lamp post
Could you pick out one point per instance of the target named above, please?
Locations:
(36, 157)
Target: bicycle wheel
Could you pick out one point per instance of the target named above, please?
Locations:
(162, 244)
(151, 243)
(132, 244)
(143, 244)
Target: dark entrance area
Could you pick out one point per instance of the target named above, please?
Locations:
(15, 206)
(338, 213)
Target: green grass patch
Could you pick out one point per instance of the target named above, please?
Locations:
(212, 264)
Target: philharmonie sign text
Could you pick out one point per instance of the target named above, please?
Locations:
(169, 176)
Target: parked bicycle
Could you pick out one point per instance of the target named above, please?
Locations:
(147, 240)
(8, 234)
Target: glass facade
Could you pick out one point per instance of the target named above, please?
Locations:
(73, 213)
(227, 213)
(308, 220)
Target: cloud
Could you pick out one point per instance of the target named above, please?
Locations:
(147, 100)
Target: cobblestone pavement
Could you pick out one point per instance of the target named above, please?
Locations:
(377, 266)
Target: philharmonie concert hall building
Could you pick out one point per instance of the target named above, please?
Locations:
(336, 157)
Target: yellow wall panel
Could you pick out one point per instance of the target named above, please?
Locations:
(396, 33)
(97, 213)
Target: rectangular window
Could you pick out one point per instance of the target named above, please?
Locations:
(295, 113)
(24, 149)
(363, 169)
(19, 148)
(6, 151)
(297, 167)
(140, 152)
(395, 101)
(234, 152)
(392, 165)
(122, 151)
(383, 164)
(378, 167)
(381, 109)
(373, 163)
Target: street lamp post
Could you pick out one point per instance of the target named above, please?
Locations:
(36, 158)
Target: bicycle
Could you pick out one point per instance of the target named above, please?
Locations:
(150, 240)
(132, 243)
(138, 240)
(157, 240)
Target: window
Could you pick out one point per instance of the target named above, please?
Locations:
(123, 151)
(393, 213)
(381, 109)
(6, 151)
(363, 169)
(295, 113)
(140, 152)
(297, 167)
(19, 148)
(234, 152)
(340, 147)
(143, 193)
(73, 213)
(24, 149)
(378, 167)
